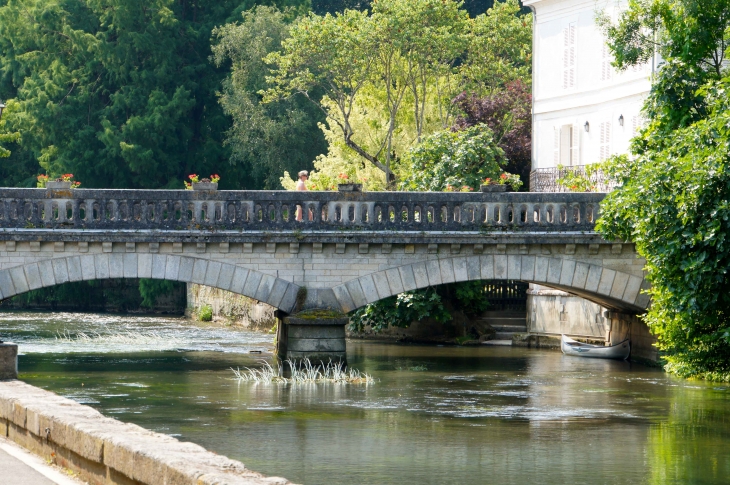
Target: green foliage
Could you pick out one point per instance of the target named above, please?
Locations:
(396, 67)
(508, 113)
(120, 93)
(500, 49)
(265, 139)
(673, 199)
(674, 206)
(151, 289)
(79, 293)
(454, 159)
(579, 181)
(400, 311)
(205, 313)
(470, 297)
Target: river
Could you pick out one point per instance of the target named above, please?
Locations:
(435, 415)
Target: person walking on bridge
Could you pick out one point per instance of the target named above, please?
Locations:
(302, 185)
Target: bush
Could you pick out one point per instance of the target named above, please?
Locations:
(400, 311)
(673, 204)
(205, 313)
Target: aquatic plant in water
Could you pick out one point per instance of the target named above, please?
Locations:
(302, 372)
(128, 337)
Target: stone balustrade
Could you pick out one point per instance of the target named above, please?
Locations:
(275, 210)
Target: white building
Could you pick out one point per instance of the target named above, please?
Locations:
(583, 110)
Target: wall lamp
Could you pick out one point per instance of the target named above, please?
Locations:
(587, 127)
(621, 120)
(2, 107)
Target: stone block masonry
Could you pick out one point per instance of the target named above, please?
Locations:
(357, 249)
(102, 450)
(8, 361)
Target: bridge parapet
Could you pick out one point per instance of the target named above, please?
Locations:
(275, 210)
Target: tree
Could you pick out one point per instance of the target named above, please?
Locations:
(500, 49)
(119, 92)
(691, 36)
(272, 138)
(454, 160)
(673, 196)
(397, 50)
(674, 206)
(508, 113)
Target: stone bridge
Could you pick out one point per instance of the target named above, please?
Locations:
(351, 249)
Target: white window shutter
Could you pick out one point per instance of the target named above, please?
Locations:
(556, 146)
(575, 145)
(569, 55)
(605, 140)
(635, 125)
(606, 67)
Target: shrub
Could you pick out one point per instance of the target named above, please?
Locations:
(205, 313)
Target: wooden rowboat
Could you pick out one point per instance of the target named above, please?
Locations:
(572, 347)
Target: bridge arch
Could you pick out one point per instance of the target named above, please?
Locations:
(279, 293)
(613, 289)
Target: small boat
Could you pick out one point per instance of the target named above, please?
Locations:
(573, 347)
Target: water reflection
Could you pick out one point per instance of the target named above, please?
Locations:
(437, 415)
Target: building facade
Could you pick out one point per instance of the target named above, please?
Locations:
(584, 111)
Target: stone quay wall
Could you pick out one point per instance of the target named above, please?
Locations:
(239, 310)
(102, 450)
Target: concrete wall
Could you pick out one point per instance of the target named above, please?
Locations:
(102, 450)
(553, 312)
(237, 309)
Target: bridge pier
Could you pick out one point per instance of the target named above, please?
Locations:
(8, 361)
(643, 343)
(318, 335)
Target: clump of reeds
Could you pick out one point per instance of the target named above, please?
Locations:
(302, 372)
(128, 337)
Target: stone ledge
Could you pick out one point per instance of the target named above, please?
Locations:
(102, 450)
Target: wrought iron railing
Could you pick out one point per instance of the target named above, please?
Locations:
(506, 295)
(276, 210)
(546, 179)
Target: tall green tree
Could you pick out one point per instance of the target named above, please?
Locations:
(267, 139)
(119, 92)
(674, 189)
(407, 50)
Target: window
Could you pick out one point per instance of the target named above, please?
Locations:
(569, 54)
(605, 140)
(567, 145)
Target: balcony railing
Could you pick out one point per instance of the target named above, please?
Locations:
(546, 179)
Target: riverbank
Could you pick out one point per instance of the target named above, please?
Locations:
(102, 450)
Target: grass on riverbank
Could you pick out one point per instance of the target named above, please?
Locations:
(303, 372)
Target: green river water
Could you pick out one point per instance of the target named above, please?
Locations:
(435, 415)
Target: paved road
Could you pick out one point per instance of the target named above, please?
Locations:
(19, 467)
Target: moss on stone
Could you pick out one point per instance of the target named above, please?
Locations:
(319, 314)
